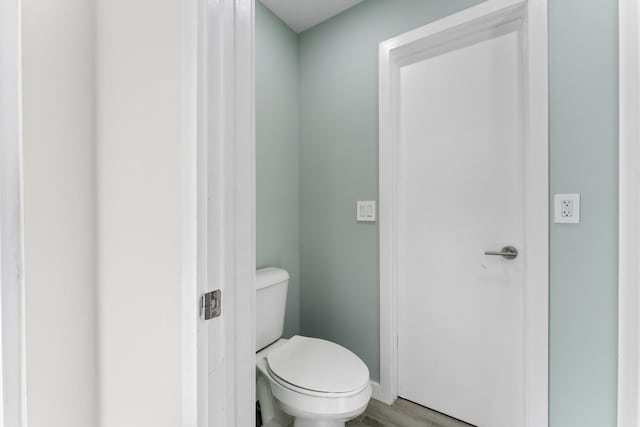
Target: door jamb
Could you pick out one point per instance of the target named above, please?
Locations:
(226, 203)
(12, 343)
(391, 52)
(629, 217)
(240, 328)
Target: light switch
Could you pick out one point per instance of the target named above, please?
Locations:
(366, 211)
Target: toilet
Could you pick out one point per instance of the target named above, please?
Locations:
(302, 381)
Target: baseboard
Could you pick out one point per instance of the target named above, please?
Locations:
(380, 394)
(376, 391)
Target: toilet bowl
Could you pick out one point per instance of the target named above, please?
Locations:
(303, 381)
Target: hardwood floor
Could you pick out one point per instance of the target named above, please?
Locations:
(403, 414)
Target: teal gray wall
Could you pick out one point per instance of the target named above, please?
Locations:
(583, 149)
(277, 155)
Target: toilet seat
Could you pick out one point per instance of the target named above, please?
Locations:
(313, 393)
(325, 408)
(317, 367)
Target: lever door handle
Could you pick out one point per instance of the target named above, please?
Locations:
(508, 252)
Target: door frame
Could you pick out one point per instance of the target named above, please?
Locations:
(225, 175)
(399, 50)
(629, 216)
(12, 342)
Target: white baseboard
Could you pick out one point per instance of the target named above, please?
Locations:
(376, 391)
(381, 395)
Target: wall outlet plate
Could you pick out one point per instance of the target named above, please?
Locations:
(566, 208)
(366, 211)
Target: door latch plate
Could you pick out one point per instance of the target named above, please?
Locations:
(211, 304)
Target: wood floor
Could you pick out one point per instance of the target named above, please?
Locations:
(403, 414)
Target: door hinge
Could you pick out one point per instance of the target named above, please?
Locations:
(211, 304)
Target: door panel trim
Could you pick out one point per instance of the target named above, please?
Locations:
(407, 48)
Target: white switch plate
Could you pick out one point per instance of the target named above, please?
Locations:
(566, 208)
(366, 211)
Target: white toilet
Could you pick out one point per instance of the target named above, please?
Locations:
(307, 382)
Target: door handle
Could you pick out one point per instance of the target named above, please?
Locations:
(508, 252)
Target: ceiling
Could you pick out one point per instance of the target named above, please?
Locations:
(301, 15)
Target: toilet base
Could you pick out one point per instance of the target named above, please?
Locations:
(272, 415)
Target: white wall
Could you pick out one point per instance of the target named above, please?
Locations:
(104, 213)
(59, 212)
(140, 211)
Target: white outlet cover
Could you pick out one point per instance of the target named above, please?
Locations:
(574, 200)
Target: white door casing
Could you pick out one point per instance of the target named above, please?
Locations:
(629, 217)
(226, 211)
(409, 48)
(12, 357)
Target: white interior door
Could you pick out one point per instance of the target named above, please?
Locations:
(461, 192)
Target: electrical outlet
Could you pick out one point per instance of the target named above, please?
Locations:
(567, 208)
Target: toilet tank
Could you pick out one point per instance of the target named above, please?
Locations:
(271, 300)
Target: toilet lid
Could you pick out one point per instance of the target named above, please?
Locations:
(318, 365)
